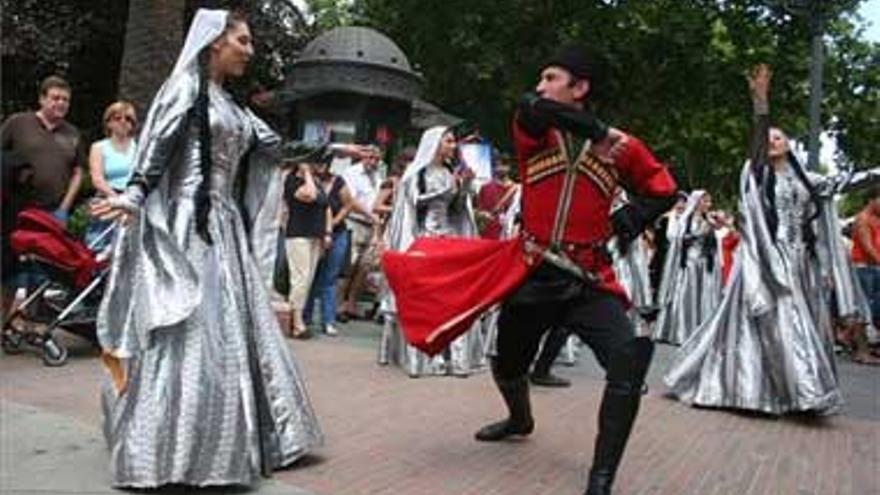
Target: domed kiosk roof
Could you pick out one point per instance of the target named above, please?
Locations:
(353, 59)
(355, 44)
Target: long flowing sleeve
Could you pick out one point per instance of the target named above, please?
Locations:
(261, 193)
(261, 190)
(835, 264)
(860, 180)
(845, 182)
(758, 144)
(164, 128)
(151, 283)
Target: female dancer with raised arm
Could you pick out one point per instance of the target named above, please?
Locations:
(769, 345)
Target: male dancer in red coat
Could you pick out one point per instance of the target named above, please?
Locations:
(571, 165)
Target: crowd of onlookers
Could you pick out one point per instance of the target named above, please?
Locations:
(333, 220)
(331, 223)
(334, 224)
(44, 160)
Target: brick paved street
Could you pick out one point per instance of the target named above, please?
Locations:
(388, 434)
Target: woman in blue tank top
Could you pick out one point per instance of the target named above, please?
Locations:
(110, 161)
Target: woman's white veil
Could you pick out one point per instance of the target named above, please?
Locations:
(403, 226)
(426, 151)
(206, 26)
(676, 249)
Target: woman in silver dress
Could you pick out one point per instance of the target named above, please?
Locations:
(431, 200)
(205, 390)
(769, 347)
(690, 288)
(631, 267)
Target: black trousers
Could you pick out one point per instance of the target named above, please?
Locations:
(556, 339)
(552, 299)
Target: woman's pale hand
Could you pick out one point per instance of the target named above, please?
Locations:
(105, 210)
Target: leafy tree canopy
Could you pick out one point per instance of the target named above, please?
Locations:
(673, 69)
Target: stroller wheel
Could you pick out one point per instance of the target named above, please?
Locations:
(12, 342)
(54, 354)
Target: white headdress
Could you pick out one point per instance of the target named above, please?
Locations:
(403, 226)
(207, 25)
(426, 152)
(693, 203)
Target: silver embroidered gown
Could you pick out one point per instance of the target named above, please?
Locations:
(631, 270)
(769, 345)
(214, 394)
(440, 205)
(691, 286)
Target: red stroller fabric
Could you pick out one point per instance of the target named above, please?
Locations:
(38, 233)
(442, 285)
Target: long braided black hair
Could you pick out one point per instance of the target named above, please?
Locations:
(201, 119)
(810, 236)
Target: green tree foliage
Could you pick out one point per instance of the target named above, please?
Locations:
(329, 14)
(83, 42)
(80, 41)
(673, 69)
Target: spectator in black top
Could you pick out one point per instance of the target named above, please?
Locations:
(309, 232)
(341, 203)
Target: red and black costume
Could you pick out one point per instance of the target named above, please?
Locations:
(557, 274)
(566, 203)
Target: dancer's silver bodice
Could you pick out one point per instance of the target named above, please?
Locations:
(793, 207)
(230, 139)
(699, 231)
(438, 196)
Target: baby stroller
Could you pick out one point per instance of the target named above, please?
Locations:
(69, 293)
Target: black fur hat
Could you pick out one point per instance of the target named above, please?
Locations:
(575, 59)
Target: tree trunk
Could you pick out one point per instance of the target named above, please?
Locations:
(153, 38)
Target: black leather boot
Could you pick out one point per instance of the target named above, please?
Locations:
(620, 405)
(548, 379)
(516, 395)
(541, 375)
(616, 417)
